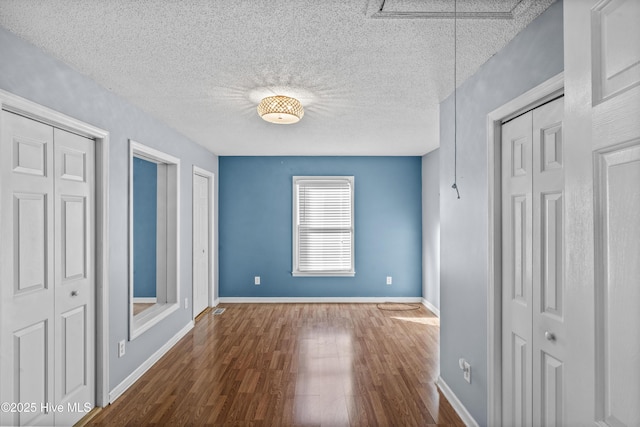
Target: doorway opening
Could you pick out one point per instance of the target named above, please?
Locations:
(202, 240)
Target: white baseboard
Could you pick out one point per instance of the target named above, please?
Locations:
(432, 308)
(216, 301)
(462, 412)
(304, 300)
(135, 375)
(145, 300)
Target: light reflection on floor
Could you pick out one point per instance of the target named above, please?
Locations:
(324, 387)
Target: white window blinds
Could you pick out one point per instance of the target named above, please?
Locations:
(323, 226)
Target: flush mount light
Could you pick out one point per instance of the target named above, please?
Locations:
(280, 109)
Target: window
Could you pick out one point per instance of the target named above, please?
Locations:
(323, 226)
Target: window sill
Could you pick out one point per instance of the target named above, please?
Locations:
(150, 317)
(323, 274)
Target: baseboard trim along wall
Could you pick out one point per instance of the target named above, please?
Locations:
(144, 367)
(432, 308)
(462, 412)
(304, 300)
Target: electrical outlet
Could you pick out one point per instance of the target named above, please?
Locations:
(466, 373)
(121, 348)
(186, 303)
(256, 280)
(466, 370)
(389, 280)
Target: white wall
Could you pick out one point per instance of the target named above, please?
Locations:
(431, 228)
(533, 56)
(29, 72)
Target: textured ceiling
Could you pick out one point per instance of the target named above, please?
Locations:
(370, 83)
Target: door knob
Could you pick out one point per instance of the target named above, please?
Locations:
(74, 293)
(550, 336)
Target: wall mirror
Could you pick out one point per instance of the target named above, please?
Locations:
(153, 236)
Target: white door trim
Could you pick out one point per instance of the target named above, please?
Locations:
(30, 109)
(539, 95)
(210, 176)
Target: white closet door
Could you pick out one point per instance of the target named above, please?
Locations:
(74, 275)
(27, 274)
(47, 273)
(533, 336)
(517, 245)
(548, 332)
(201, 233)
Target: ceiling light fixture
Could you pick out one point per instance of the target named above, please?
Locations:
(280, 109)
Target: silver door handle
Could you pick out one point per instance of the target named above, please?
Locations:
(550, 336)
(74, 293)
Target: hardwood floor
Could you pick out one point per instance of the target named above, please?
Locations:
(294, 364)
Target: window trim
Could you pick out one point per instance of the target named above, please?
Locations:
(170, 253)
(295, 245)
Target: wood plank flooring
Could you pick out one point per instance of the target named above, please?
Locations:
(294, 364)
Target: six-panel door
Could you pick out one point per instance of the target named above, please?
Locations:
(533, 336)
(47, 276)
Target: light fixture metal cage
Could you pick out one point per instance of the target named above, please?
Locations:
(280, 109)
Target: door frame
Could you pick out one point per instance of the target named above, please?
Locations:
(32, 110)
(210, 177)
(546, 91)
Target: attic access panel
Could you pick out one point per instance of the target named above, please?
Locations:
(443, 9)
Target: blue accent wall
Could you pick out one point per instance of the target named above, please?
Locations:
(255, 228)
(145, 208)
